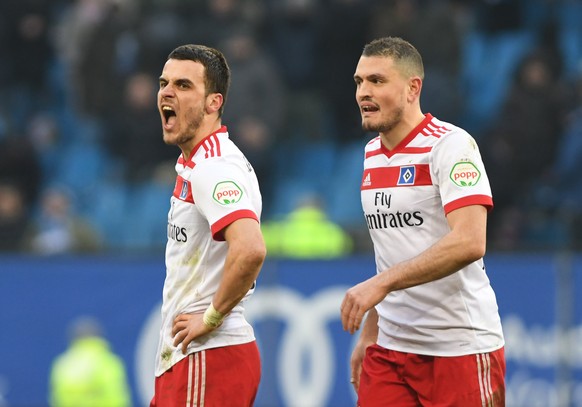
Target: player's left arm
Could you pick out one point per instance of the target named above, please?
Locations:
(464, 244)
(245, 257)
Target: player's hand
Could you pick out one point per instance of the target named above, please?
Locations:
(187, 327)
(357, 301)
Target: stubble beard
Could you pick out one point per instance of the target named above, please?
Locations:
(190, 132)
(386, 126)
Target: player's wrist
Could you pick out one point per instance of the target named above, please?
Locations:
(212, 317)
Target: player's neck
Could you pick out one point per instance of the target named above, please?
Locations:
(206, 128)
(394, 136)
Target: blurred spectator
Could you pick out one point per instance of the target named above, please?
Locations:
(569, 157)
(497, 16)
(161, 25)
(25, 45)
(565, 187)
(59, 229)
(87, 39)
(20, 180)
(165, 23)
(549, 46)
(417, 21)
(306, 233)
(20, 166)
(522, 144)
(343, 29)
(135, 134)
(88, 373)
(13, 218)
(222, 16)
(290, 35)
(254, 114)
(44, 134)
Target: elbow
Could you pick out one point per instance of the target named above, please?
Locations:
(257, 255)
(254, 257)
(473, 250)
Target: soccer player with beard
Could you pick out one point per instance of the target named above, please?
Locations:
(207, 352)
(432, 335)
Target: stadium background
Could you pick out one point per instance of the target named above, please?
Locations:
(80, 145)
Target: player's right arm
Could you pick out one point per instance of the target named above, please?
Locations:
(464, 244)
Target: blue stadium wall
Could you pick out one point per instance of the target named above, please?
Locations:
(295, 311)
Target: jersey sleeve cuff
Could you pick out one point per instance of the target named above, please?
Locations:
(484, 200)
(220, 224)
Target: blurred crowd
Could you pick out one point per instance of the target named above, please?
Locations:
(83, 167)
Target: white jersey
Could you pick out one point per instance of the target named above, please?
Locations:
(406, 193)
(215, 187)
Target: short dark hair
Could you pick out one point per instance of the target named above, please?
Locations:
(401, 51)
(217, 72)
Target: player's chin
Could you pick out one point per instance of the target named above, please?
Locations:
(369, 126)
(170, 139)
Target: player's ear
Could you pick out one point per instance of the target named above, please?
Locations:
(214, 102)
(414, 88)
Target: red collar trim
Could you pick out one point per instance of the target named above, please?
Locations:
(222, 129)
(413, 133)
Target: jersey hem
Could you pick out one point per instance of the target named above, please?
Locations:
(431, 352)
(199, 349)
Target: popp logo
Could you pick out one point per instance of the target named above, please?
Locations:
(227, 192)
(465, 174)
